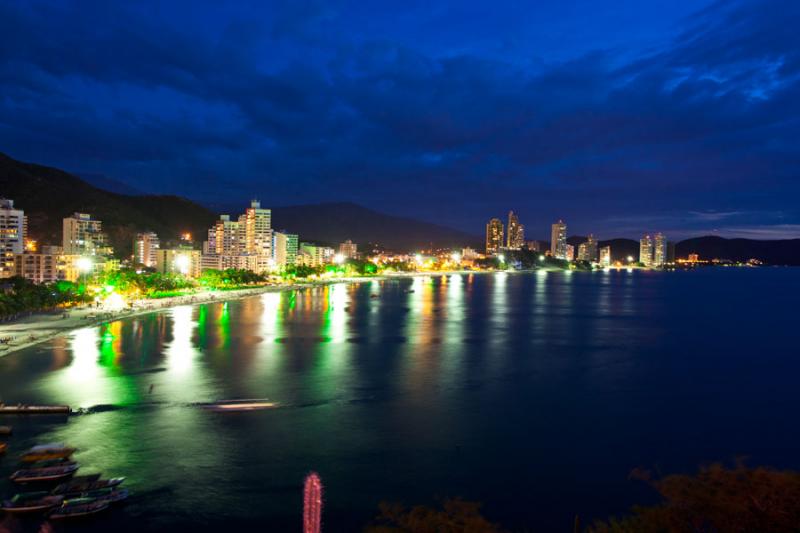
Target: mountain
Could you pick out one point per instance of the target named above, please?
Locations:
(776, 252)
(47, 195)
(101, 181)
(333, 223)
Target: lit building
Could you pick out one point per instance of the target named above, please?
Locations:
(468, 254)
(694, 258)
(348, 249)
(605, 256)
(46, 267)
(494, 236)
(284, 246)
(587, 251)
(183, 261)
(83, 235)
(13, 229)
(256, 228)
(558, 240)
(312, 255)
(516, 233)
(570, 256)
(533, 246)
(144, 249)
(646, 250)
(660, 250)
(224, 238)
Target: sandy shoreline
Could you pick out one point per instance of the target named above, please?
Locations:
(42, 327)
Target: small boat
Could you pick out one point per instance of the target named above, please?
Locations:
(52, 473)
(22, 409)
(48, 452)
(78, 508)
(108, 495)
(31, 502)
(77, 486)
(238, 405)
(3, 447)
(5, 430)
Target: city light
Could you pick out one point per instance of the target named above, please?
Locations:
(84, 264)
(541, 258)
(456, 257)
(338, 259)
(630, 259)
(182, 263)
(502, 258)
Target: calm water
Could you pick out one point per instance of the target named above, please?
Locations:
(534, 393)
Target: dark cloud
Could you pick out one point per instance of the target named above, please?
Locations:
(620, 122)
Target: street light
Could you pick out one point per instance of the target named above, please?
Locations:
(182, 263)
(541, 258)
(630, 259)
(502, 258)
(456, 257)
(338, 259)
(84, 265)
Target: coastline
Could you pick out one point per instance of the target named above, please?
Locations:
(42, 327)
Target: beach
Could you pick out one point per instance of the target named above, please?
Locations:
(44, 326)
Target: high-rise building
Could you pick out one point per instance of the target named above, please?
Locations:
(587, 251)
(13, 227)
(348, 249)
(145, 247)
(284, 246)
(605, 256)
(83, 235)
(646, 250)
(494, 236)
(570, 256)
(516, 233)
(558, 240)
(256, 226)
(660, 250)
(224, 238)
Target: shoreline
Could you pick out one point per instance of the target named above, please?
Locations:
(42, 327)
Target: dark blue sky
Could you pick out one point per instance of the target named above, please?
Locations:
(621, 117)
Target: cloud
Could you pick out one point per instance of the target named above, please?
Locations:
(301, 101)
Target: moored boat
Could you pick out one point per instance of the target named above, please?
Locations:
(48, 452)
(78, 508)
(5, 430)
(31, 502)
(52, 473)
(75, 486)
(108, 495)
(21, 409)
(3, 447)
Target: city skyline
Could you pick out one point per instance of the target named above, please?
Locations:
(685, 123)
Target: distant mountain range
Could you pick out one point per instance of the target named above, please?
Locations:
(47, 195)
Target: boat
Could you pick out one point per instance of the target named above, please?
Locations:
(108, 495)
(31, 502)
(78, 508)
(48, 452)
(52, 473)
(238, 405)
(79, 486)
(22, 409)
(5, 430)
(3, 447)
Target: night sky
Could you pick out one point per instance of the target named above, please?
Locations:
(621, 117)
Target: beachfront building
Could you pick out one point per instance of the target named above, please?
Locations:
(13, 229)
(494, 236)
(145, 248)
(83, 235)
(184, 261)
(516, 233)
(558, 240)
(570, 256)
(605, 256)
(246, 242)
(348, 249)
(284, 249)
(587, 251)
(313, 255)
(659, 250)
(646, 250)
